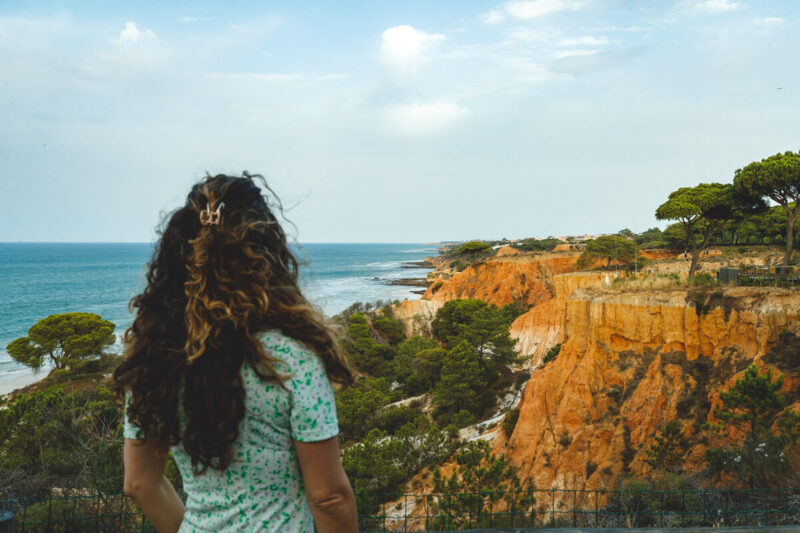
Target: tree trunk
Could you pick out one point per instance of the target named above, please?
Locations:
(695, 261)
(712, 228)
(791, 216)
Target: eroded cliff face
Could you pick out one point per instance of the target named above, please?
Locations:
(631, 360)
(629, 363)
(541, 327)
(416, 315)
(523, 278)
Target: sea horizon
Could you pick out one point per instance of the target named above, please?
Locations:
(44, 278)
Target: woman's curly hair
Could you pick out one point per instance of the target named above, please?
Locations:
(211, 289)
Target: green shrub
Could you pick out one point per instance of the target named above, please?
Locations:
(393, 418)
(510, 421)
(459, 420)
(478, 470)
(551, 354)
(754, 406)
(392, 329)
(459, 265)
(536, 245)
(474, 247)
(59, 516)
(667, 452)
(703, 279)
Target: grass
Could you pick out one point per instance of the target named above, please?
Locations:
(647, 282)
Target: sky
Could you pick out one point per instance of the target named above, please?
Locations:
(391, 121)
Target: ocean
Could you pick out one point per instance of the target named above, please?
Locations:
(40, 279)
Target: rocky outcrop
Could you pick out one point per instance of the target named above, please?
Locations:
(416, 315)
(629, 363)
(541, 327)
(633, 356)
(506, 250)
(526, 279)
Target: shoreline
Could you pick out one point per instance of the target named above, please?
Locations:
(12, 382)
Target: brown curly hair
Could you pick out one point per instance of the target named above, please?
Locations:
(211, 289)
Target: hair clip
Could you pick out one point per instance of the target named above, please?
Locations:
(209, 217)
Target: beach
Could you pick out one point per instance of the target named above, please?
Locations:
(16, 380)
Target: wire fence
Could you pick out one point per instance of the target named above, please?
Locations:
(82, 513)
(760, 276)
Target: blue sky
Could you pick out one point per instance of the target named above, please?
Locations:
(387, 121)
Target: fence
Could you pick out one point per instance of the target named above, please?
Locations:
(778, 276)
(448, 512)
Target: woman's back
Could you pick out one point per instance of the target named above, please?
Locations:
(262, 489)
(228, 363)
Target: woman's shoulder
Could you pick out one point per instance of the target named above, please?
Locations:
(289, 350)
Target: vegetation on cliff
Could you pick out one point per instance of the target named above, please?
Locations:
(700, 210)
(456, 376)
(760, 430)
(778, 178)
(620, 250)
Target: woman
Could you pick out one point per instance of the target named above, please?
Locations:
(228, 366)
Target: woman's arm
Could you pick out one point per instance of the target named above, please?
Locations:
(327, 487)
(145, 464)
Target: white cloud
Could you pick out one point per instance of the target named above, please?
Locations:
(769, 21)
(494, 16)
(132, 34)
(285, 78)
(530, 10)
(188, 20)
(423, 119)
(716, 6)
(534, 35)
(404, 47)
(575, 53)
(586, 40)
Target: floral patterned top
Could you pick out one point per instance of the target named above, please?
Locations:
(262, 489)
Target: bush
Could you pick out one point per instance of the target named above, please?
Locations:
(459, 420)
(459, 265)
(536, 245)
(754, 406)
(358, 406)
(478, 470)
(383, 462)
(703, 279)
(60, 516)
(510, 421)
(483, 326)
(392, 419)
(392, 329)
(608, 248)
(667, 452)
(551, 354)
(52, 437)
(474, 247)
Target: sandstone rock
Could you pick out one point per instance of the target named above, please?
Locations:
(506, 250)
(631, 362)
(525, 279)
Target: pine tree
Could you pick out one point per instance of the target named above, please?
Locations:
(753, 405)
(462, 384)
(668, 449)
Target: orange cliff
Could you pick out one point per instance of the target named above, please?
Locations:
(541, 282)
(541, 327)
(529, 279)
(629, 363)
(631, 360)
(526, 279)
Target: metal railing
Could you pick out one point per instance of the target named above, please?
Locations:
(760, 276)
(451, 512)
